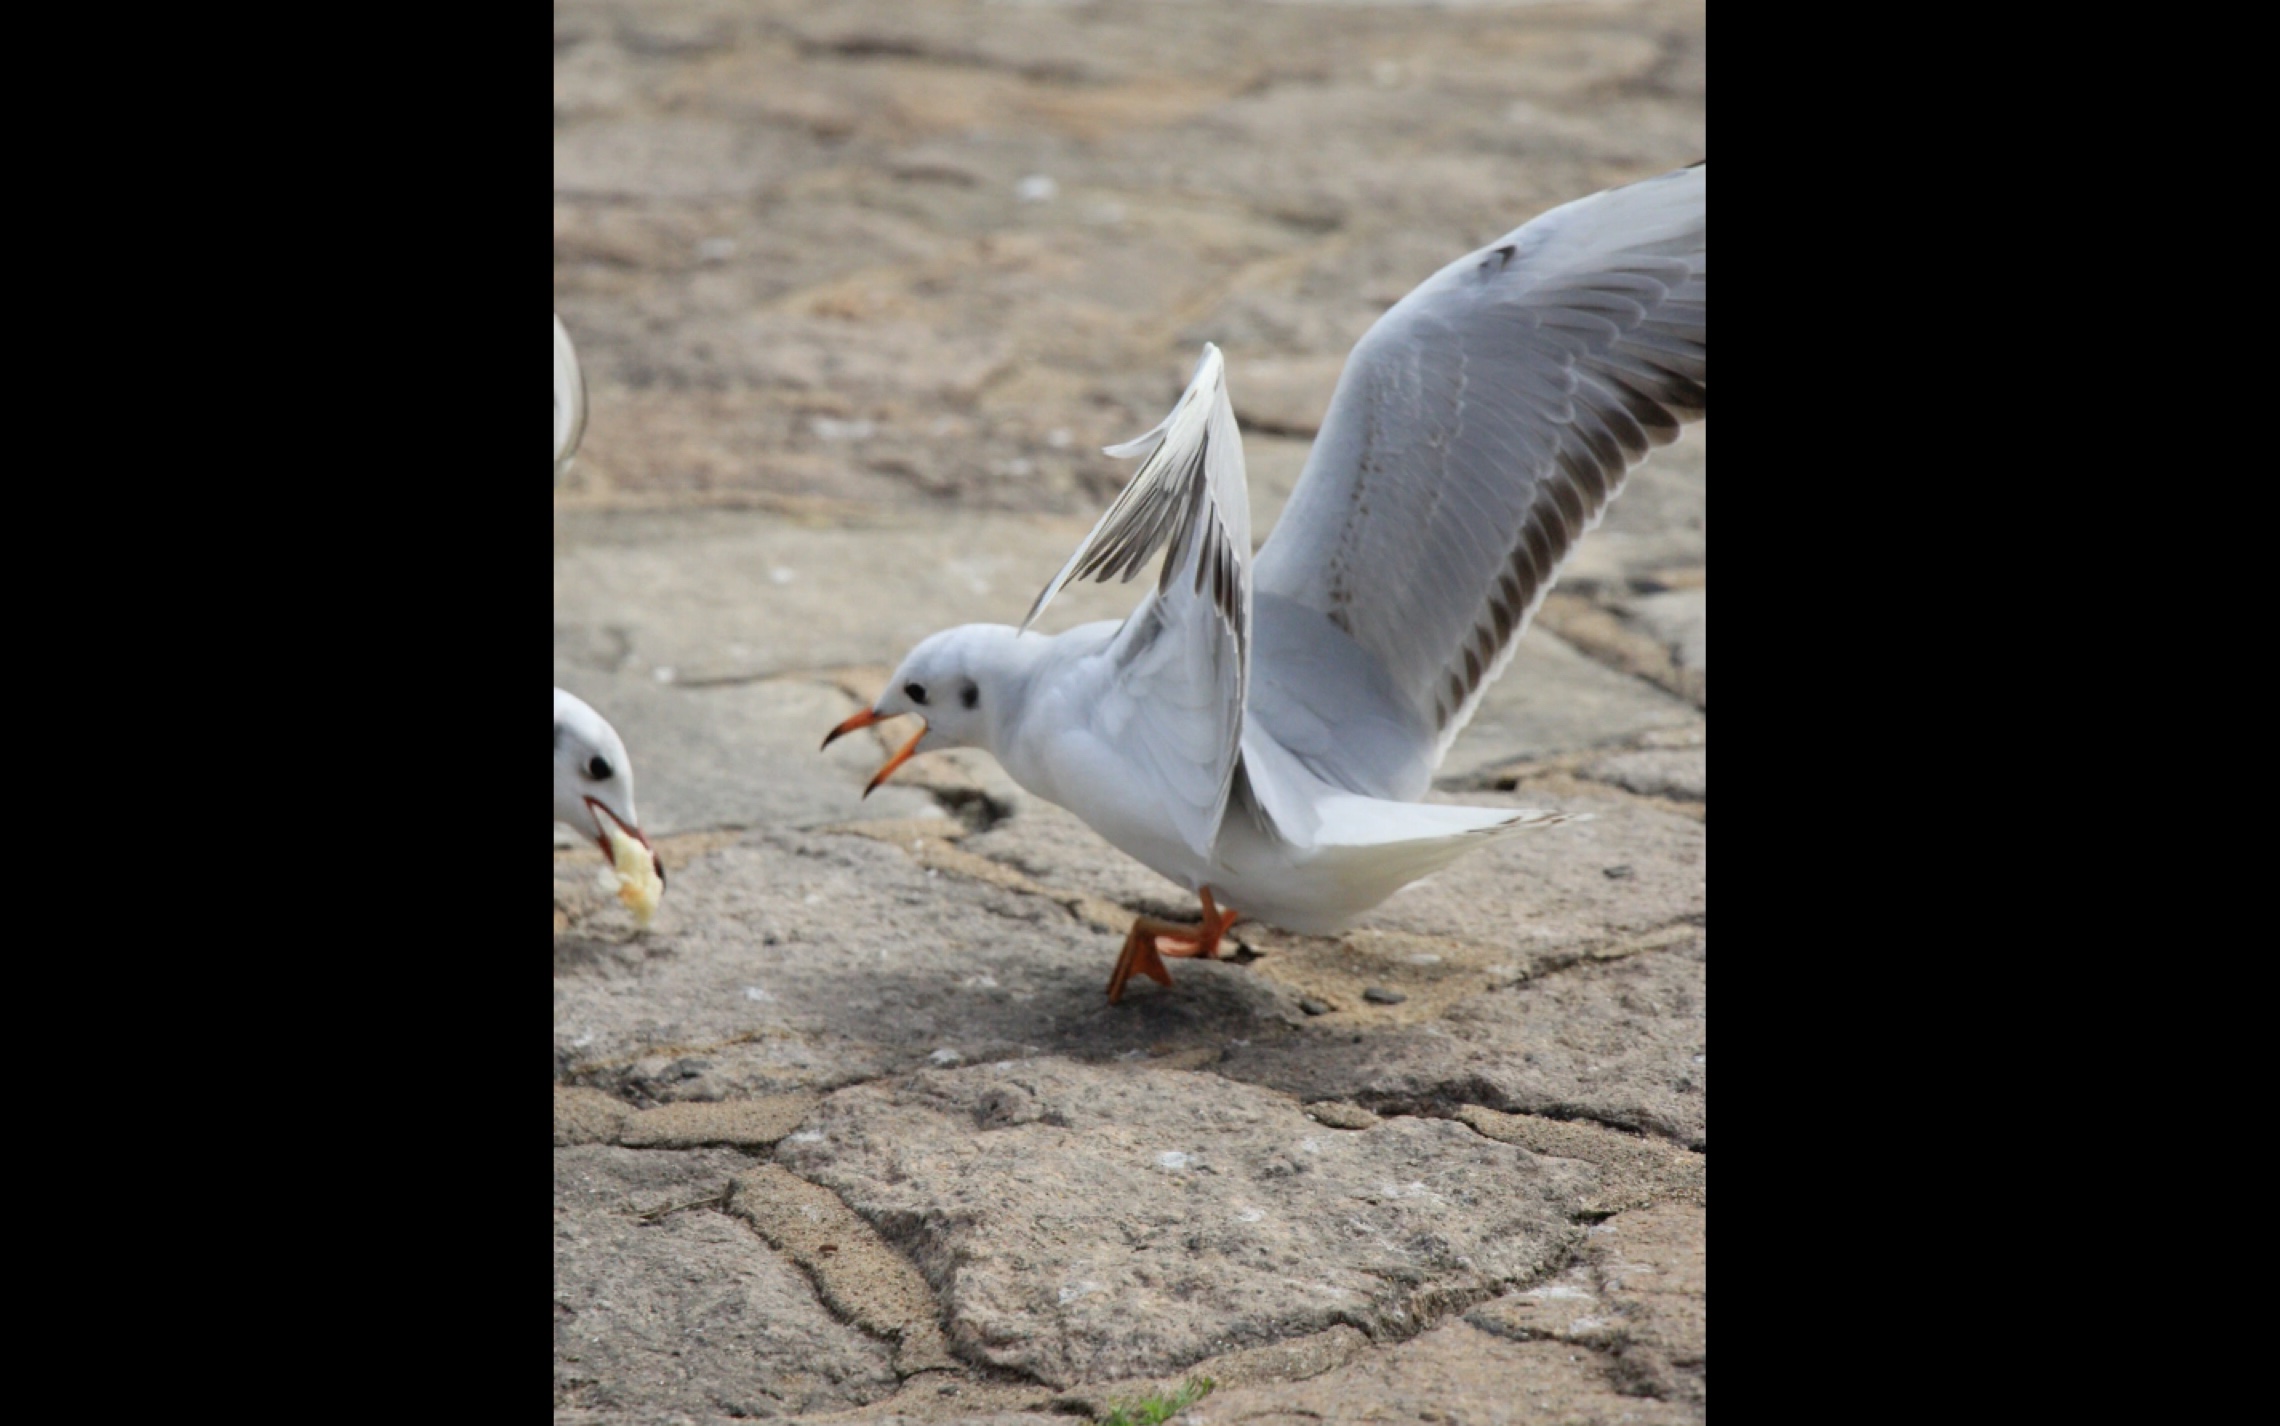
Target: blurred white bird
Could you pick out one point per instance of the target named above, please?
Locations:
(569, 401)
(593, 777)
(1263, 746)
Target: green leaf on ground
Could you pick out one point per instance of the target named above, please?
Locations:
(1158, 1408)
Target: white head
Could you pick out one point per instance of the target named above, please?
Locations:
(593, 777)
(961, 683)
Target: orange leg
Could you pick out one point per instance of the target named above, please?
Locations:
(1151, 940)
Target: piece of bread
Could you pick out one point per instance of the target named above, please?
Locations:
(638, 884)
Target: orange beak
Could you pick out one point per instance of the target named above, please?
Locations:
(865, 719)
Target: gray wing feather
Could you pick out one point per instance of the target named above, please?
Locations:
(1182, 659)
(1481, 427)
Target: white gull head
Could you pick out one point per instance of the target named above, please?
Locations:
(966, 685)
(593, 777)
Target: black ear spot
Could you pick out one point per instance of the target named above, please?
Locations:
(915, 693)
(598, 768)
(970, 695)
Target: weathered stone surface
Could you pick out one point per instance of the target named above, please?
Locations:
(1454, 1373)
(717, 597)
(1108, 1222)
(1639, 1295)
(1339, 1114)
(1552, 699)
(796, 962)
(1547, 889)
(745, 1123)
(1634, 1172)
(862, 1279)
(1655, 527)
(1285, 396)
(663, 1304)
(1620, 1042)
(1601, 634)
(1296, 1359)
(1680, 774)
(586, 1116)
(1679, 619)
(1653, 1265)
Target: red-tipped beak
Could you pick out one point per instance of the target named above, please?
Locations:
(865, 719)
(603, 841)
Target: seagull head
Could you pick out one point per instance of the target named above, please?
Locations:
(957, 682)
(593, 778)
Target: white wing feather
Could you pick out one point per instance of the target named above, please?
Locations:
(1182, 659)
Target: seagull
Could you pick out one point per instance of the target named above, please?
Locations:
(593, 778)
(1259, 729)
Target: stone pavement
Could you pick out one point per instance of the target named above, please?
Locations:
(850, 1132)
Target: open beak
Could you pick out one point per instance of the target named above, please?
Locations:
(636, 833)
(865, 719)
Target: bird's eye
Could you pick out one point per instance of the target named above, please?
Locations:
(598, 768)
(970, 695)
(915, 693)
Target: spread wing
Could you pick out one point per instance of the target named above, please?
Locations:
(1182, 660)
(1481, 427)
(569, 401)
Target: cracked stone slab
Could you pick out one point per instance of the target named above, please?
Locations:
(1620, 1042)
(1455, 1373)
(1088, 1222)
(1638, 1295)
(661, 1307)
(1634, 1172)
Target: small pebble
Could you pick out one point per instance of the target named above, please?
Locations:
(1313, 1007)
(1379, 995)
(1617, 873)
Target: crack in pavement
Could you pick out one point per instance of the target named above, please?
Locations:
(1600, 635)
(856, 1272)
